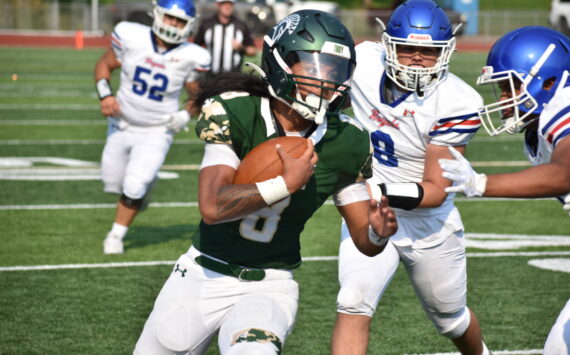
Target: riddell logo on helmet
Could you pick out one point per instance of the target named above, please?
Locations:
(419, 37)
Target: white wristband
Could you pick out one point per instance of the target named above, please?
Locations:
(375, 238)
(273, 190)
(481, 182)
(103, 88)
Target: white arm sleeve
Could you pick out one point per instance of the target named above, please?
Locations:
(216, 154)
(351, 193)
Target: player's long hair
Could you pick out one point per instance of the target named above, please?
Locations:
(216, 84)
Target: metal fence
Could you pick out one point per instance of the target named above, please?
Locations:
(30, 15)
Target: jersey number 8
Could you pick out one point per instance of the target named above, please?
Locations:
(262, 225)
(384, 149)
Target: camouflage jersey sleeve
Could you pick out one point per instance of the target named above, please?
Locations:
(213, 125)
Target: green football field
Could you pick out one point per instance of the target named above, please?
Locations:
(60, 295)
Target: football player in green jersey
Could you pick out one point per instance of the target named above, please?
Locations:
(237, 277)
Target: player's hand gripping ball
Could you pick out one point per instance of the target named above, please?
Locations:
(263, 163)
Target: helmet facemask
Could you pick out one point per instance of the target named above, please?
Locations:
(509, 115)
(316, 79)
(168, 33)
(308, 59)
(521, 107)
(412, 78)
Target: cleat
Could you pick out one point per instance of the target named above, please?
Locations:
(112, 244)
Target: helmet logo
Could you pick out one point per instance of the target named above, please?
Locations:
(419, 37)
(288, 24)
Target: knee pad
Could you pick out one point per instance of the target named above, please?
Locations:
(350, 300)
(135, 187)
(131, 202)
(255, 342)
(452, 325)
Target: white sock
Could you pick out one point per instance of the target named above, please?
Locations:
(485, 350)
(119, 230)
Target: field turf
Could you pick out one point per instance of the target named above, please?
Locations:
(83, 302)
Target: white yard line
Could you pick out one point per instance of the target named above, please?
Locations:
(305, 259)
(496, 352)
(101, 122)
(91, 206)
(195, 204)
(79, 141)
(62, 107)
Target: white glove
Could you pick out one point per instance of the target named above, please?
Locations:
(464, 178)
(178, 121)
(567, 203)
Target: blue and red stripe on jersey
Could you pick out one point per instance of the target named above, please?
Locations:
(558, 127)
(468, 123)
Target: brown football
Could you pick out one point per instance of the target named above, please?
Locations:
(263, 162)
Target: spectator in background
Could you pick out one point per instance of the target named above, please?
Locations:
(156, 64)
(226, 37)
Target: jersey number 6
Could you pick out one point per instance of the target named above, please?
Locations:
(140, 85)
(384, 148)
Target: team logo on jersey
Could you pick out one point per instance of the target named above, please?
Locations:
(182, 271)
(377, 117)
(154, 64)
(410, 113)
(288, 24)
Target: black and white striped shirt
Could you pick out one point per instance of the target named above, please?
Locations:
(217, 38)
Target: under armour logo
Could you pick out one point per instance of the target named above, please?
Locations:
(183, 272)
(410, 113)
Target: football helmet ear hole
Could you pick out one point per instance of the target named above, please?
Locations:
(549, 83)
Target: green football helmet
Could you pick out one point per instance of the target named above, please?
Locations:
(309, 49)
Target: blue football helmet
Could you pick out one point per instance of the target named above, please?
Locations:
(528, 64)
(182, 9)
(419, 23)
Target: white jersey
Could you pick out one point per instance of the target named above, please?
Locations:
(553, 126)
(151, 81)
(400, 131)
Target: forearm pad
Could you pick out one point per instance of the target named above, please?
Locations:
(406, 195)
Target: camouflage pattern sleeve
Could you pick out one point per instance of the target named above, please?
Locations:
(213, 125)
(366, 170)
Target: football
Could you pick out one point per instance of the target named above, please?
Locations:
(263, 163)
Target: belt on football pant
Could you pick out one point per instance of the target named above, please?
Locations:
(229, 269)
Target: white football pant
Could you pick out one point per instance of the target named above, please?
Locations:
(195, 303)
(558, 341)
(132, 158)
(438, 275)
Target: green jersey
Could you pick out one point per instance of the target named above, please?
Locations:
(270, 237)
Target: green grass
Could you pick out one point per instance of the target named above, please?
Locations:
(102, 310)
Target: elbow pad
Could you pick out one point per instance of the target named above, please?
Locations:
(406, 196)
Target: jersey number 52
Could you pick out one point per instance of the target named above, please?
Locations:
(141, 86)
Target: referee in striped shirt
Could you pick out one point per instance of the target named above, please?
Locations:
(226, 37)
